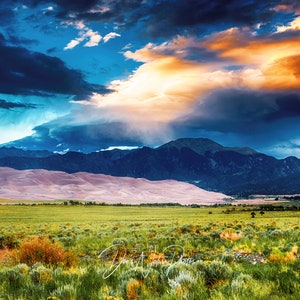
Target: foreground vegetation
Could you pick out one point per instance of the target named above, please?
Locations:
(91, 252)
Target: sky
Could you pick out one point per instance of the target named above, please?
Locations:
(96, 74)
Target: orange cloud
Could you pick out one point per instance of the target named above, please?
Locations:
(267, 63)
(168, 84)
(246, 48)
(288, 8)
(284, 73)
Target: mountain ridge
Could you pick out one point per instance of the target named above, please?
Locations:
(202, 145)
(202, 162)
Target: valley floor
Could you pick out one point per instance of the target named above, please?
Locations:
(74, 251)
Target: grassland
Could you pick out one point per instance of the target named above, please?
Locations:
(135, 252)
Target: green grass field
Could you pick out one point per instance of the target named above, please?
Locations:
(136, 252)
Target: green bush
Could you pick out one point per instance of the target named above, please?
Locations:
(287, 282)
(216, 272)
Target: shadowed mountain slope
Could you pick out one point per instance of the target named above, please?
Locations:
(202, 162)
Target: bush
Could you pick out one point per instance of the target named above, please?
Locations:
(227, 258)
(8, 242)
(241, 283)
(243, 286)
(288, 257)
(41, 249)
(231, 235)
(40, 274)
(287, 282)
(216, 272)
(13, 279)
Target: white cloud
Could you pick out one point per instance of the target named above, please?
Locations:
(119, 147)
(110, 36)
(72, 44)
(126, 47)
(91, 37)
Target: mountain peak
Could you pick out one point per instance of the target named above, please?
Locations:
(202, 145)
(198, 145)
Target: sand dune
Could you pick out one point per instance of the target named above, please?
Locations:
(53, 185)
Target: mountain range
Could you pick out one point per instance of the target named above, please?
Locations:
(230, 170)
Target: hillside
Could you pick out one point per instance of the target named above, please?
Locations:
(202, 162)
(53, 185)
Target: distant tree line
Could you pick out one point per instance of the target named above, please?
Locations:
(295, 198)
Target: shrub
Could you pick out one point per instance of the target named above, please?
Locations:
(241, 283)
(216, 272)
(13, 279)
(67, 292)
(41, 249)
(8, 241)
(40, 274)
(134, 289)
(182, 284)
(231, 235)
(243, 286)
(174, 270)
(287, 282)
(288, 257)
(92, 281)
(227, 258)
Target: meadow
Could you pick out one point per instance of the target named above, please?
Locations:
(72, 251)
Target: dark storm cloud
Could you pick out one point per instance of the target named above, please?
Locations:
(243, 112)
(10, 105)
(75, 5)
(24, 72)
(12, 39)
(94, 135)
(88, 10)
(288, 106)
(72, 5)
(6, 15)
(85, 138)
(171, 17)
(120, 11)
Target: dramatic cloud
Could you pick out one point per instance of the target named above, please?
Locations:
(10, 105)
(172, 17)
(242, 111)
(174, 86)
(60, 136)
(227, 70)
(31, 73)
(269, 63)
(167, 83)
